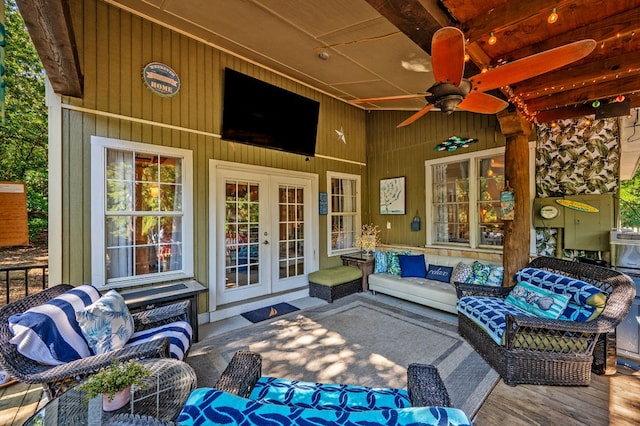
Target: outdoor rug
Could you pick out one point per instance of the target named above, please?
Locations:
(268, 312)
(356, 340)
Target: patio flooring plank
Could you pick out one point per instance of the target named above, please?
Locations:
(18, 402)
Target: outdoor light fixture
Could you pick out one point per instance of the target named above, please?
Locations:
(553, 16)
(492, 39)
(453, 143)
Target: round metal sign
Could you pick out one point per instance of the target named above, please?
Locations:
(161, 79)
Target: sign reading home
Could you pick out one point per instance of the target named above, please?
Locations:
(161, 79)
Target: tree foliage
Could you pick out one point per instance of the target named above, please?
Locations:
(630, 202)
(23, 137)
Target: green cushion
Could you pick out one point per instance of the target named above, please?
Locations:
(335, 276)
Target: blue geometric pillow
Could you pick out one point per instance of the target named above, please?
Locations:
(106, 324)
(212, 406)
(323, 396)
(381, 262)
(540, 302)
(49, 333)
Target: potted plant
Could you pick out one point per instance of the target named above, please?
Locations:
(114, 383)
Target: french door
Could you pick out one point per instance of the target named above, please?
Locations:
(264, 232)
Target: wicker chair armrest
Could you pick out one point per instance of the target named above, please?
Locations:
(58, 378)
(465, 289)
(241, 375)
(425, 387)
(161, 315)
(549, 335)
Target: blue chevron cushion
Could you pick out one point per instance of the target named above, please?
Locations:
(49, 333)
(586, 301)
(323, 396)
(489, 313)
(213, 406)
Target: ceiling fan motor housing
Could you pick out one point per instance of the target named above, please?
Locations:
(447, 96)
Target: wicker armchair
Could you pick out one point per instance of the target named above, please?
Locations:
(56, 379)
(547, 351)
(424, 385)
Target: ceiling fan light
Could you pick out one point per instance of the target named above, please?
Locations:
(492, 39)
(553, 16)
(449, 103)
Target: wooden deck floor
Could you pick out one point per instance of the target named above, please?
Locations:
(609, 400)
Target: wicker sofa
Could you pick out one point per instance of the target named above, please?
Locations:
(547, 351)
(243, 394)
(55, 379)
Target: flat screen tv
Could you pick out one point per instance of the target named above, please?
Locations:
(261, 114)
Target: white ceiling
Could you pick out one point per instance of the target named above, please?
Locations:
(367, 56)
(365, 51)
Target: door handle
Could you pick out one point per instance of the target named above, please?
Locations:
(266, 243)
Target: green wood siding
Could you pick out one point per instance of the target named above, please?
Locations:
(393, 152)
(114, 46)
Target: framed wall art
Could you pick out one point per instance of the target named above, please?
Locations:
(392, 195)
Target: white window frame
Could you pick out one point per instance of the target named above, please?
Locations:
(474, 160)
(99, 146)
(330, 213)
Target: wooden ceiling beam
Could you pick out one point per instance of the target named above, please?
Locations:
(587, 93)
(625, 24)
(417, 19)
(509, 16)
(50, 27)
(625, 65)
(574, 111)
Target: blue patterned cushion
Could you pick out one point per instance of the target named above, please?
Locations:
(461, 272)
(327, 396)
(440, 273)
(213, 406)
(49, 333)
(412, 265)
(495, 276)
(381, 262)
(107, 323)
(489, 313)
(586, 301)
(479, 273)
(178, 332)
(538, 301)
(393, 262)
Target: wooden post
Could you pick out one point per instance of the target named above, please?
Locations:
(516, 158)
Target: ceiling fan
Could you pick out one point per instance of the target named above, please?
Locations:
(452, 90)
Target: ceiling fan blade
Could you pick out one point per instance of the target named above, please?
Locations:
(532, 66)
(447, 55)
(415, 116)
(390, 98)
(482, 103)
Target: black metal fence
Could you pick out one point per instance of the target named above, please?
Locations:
(20, 281)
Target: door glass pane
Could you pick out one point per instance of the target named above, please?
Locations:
(242, 240)
(291, 244)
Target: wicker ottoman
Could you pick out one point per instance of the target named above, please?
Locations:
(333, 283)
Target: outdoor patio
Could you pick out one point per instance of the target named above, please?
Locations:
(609, 400)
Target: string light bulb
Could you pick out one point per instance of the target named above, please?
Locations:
(492, 39)
(553, 16)
(466, 57)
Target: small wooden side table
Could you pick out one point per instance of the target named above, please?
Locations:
(363, 262)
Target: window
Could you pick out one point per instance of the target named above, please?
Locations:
(463, 202)
(141, 206)
(343, 212)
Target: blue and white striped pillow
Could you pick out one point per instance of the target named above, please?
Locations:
(178, 332)
(49, 333)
